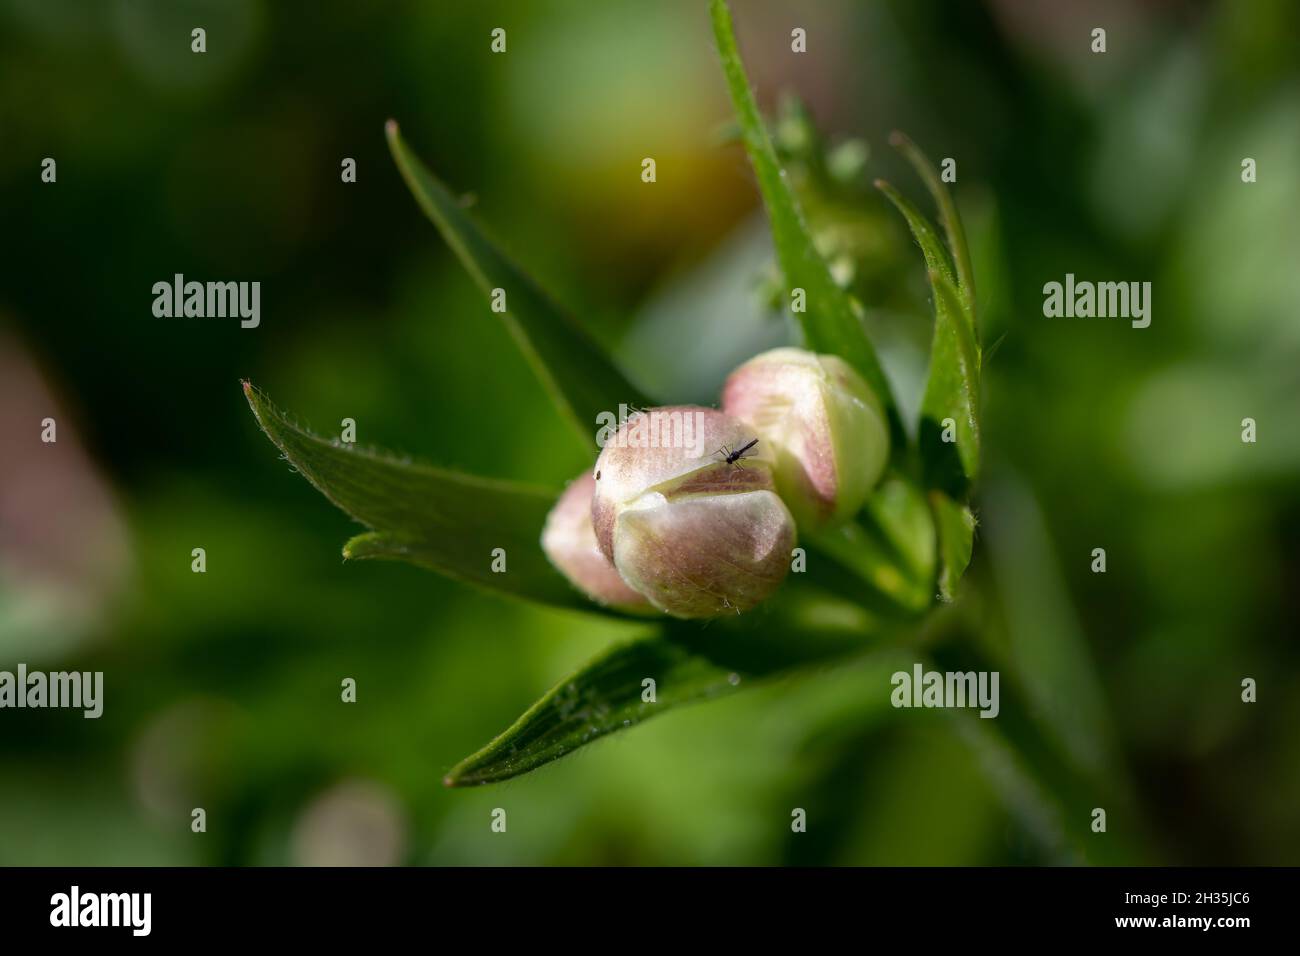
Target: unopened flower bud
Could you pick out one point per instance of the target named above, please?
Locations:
(696, 533)
(823, 424)
(570, 543)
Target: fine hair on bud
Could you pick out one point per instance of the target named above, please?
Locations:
(699, 534)
(824, 427)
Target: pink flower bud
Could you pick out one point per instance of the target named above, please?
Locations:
(698, 535)
(823, 424)
(570, 543)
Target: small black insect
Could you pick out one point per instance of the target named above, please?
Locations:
(733, 457)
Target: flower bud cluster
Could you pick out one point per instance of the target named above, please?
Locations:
(694, 510)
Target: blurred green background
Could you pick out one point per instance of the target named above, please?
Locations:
(222, 689)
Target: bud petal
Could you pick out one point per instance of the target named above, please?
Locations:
(570, 543)
(695, 534)
(823, 424)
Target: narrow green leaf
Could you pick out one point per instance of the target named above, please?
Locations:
(687, 663)
(574, 369)
(601, 698)
(1046, 793)
(441, 520)
(936, 258)
(956, 530)
(951, 392)
(1032, 802)
(948, 216)
(952, 388)
(1044, 645)
(830, 322)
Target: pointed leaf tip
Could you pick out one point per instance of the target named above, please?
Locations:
(958, 247)
(431, 517)
(574, 369)
(831, 322)
(687, 665)
(952, 385)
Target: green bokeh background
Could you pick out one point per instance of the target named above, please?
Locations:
(222, 689)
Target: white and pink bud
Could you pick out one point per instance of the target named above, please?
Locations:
(570, 543)
(823, 425)
(698, 535)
